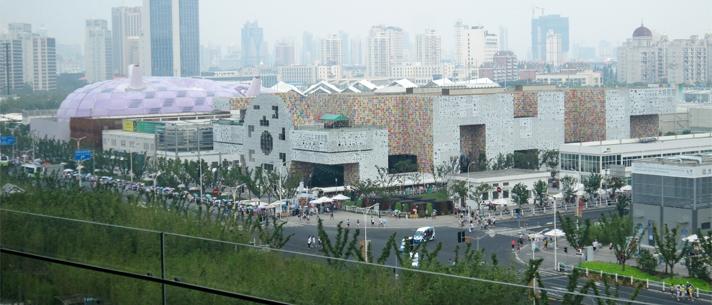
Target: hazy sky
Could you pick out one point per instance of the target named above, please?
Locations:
(221, 20)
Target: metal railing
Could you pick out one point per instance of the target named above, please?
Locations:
(631, 280)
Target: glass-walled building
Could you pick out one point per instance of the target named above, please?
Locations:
(601, 156)
(672, 191)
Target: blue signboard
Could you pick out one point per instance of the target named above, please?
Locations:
(7, 140)
(82, 155)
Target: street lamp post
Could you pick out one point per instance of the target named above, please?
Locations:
(79, 167)
(556, 262)
(468, 188)
(491, 233)
(365, 232)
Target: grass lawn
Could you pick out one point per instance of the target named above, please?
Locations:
(642, 275)
(436, 196)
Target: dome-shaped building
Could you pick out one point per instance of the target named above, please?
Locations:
(642, 32)
(135, 96)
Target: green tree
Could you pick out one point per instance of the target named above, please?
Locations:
(479, 192)
(578, 231)
(622, 204)
(667, 244)
(618, 231)
(615, 183)
(520, 194)
(591, 184)
(568, 188)
(541, 188)
(459, 189)
(647, 262)
(550, 158)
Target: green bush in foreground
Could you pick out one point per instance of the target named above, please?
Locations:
(256, 271)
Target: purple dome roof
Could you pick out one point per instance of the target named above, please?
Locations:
(642, 31)
(160, 95)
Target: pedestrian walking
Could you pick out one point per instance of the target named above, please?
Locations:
(309, 241)
(348, 222)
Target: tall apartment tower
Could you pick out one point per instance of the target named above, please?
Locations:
(385, 49)
(126, 30)
(171, 37)
(283, 53)
(428, 48)
(331, 51)
(11, 72)
(44, 63)
(541, 27)
(474, 46)
(23, 32)
(252, 44)
(97, 51)
(554, 49)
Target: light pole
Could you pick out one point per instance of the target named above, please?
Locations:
(491, 233)
(468, 189)
(79, 167)
(556, 262)
(365, 232)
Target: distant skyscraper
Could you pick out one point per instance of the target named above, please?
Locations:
(44, 63)
(171, 37)
(554, 54)
(39, 57)
(331, 54)
(126, 33)
(541, 26)
(283, 54)
(385, 49)
(23, 32)
(11, 70)
(503, 38)
(97, 51)
(252, 40)
(309, 49)
(428, 48)
(356, 52)
(345, 48)
(474, 46)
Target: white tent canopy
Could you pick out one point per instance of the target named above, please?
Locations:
(321, 200)
(500, 202)
(340, 197)
(627, 188)
(555, 233)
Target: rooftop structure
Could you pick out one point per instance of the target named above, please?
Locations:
(149, 96)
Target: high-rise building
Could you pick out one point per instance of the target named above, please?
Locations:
(474, 46)
(252, 45)
(356, 52)
(385, 49)
(641, 59)
(687, 61)
(503, 68)
(428, 48)
(541, 26)
(97, 51)
(44, 63)
(309, 49)
(331, 51)
(283, 54)
(554, 54)
(171, 37)
(11, 78)
(503, 38)
(345, 48)
(23, 32)
(126, 30)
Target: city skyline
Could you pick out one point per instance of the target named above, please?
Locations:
(220, 24)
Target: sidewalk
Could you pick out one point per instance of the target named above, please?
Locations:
(390, 221)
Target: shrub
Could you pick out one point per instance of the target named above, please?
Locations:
(647, 262)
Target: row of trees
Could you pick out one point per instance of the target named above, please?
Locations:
(529, 159)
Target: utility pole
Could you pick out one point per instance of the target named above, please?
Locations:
(79, 167)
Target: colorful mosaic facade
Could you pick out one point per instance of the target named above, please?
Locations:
(525, 104)
(585, 118)
(408, 118)
(642, 126)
